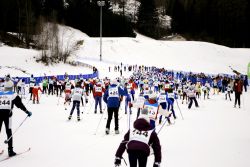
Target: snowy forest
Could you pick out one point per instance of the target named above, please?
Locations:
(218, 21)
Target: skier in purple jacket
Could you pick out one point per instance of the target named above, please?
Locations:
(137, 141)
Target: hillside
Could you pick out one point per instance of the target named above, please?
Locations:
(173, 55)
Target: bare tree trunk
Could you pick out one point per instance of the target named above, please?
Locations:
(27, 33)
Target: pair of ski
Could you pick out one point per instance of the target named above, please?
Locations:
(7, 158)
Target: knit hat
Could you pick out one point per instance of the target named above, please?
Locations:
(8, 86)
(113, 82)
(144, 114)
(152, 96)
(7, 77)
(144, 111)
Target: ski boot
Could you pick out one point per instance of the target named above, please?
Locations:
(117, 132)
(11, 152)
(78, 118)
(70, 117)
(107, 131)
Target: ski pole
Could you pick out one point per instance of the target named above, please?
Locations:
(58, 100)
(243, 101)
(124, 162)
(179, 109)
(6, 141)
(130, 112)
(162, 126)
(98, 124)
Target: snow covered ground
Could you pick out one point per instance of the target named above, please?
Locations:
(214, 135)
(177, 55)
(16, 60)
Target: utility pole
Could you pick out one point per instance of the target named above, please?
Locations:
(101, 4)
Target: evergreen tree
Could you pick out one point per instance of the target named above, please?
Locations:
(148, 20)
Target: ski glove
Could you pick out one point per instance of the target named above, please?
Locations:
(117, 161)
(156, 164)
(10, 114)
(86, 101)
(29, 113)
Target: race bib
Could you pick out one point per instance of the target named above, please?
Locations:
(171, 95)
(32, 84)
(139, 102)
(146, 92)
(5, 102)
(78, 92)
(167, 86)
(98, 89)
(162, 99)
(152, 111)
(141, 136)
(164, 112)
(113, 92)
(68, 87)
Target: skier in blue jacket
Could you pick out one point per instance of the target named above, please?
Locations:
(113, 97)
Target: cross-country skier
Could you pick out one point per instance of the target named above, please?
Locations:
(238, 88)
(113, 97)
(132, 87)
(51, 86)
(153, 107)
(206, 90)
(228, 91)
(67, 91)
(138, 141)
(32, 84)
(98, 91)
(7, 101)
(45, 85)
(192, 97)
(77, 94)
(162, 100)
(35, 90)
(172, 96)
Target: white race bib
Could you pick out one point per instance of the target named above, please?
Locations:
(32, 84)
(171, 95)
(167, 86)
(78, 92)
(139, 102)
(5, 102)
(141, 136)
(152, 111)
(113, 92)
(146, 92)
(98, 89)
(162, 99)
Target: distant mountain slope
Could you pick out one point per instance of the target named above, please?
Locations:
(176, 55)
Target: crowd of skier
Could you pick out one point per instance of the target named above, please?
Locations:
(150, 91)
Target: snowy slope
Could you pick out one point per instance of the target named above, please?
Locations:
(178, 55)
(173, 55)
(214, 135)
(22, 62)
